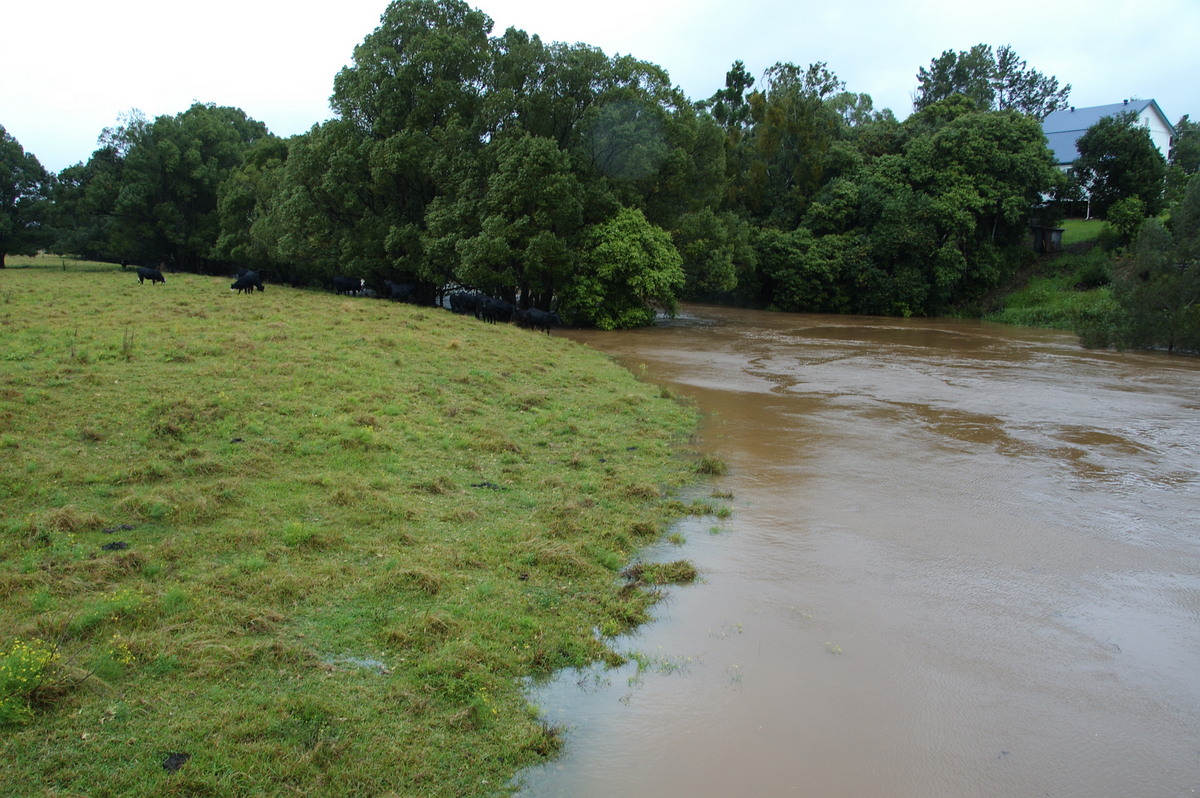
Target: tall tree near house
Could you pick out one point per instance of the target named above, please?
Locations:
(994, 80)
(1183, 161)
(1117, 160)
(968, 72)
(1185, 145)
(1020, 88)
(24, 199)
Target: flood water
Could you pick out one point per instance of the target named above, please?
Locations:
(963, 560)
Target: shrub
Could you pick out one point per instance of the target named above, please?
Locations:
(24, 668)
(1094, 270)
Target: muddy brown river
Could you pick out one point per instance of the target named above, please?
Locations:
(963, 560)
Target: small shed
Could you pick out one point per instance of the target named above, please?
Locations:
(1047, 239)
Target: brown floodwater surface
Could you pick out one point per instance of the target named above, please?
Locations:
(963, 560)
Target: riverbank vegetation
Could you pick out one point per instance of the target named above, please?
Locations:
(1131, 288)
(295, 542)
(554, 175)
(1060, 288)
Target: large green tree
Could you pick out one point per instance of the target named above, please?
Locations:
(1117, 160)
(1159, 295)
(150, 193)
(414, 92)
(1185, 145)
(531, 216)
(627, 270)
(314, 216)
(793, 131)
(920, 230)
(24, 200)
(995, 80)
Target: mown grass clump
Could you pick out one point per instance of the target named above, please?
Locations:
(298, 543)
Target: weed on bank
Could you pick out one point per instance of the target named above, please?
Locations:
(296, 543)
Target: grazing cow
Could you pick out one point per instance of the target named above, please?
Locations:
(247, 282)
(148, 273)
(536, 319)
(348, 285)
(495, 310)
(401, 292)
(463, 302)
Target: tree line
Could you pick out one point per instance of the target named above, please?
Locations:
(556, 175)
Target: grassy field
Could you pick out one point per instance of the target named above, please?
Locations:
(299, 544)
(1081, 231)
(1065, 287)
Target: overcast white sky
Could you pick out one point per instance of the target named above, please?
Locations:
(69, 68)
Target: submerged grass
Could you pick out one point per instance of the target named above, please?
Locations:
(291, 542)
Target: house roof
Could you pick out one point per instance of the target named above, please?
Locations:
(1063, 128)
(1062, 144)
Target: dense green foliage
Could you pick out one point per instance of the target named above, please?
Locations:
(1185, 146)
(993, 80)
(502, 164)
(1157, 286)
(24, 187)
(149, 194)
(1118, 160)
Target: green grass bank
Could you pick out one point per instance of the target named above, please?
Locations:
(296, 543)
(1062, 288)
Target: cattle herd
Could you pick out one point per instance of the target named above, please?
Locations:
(480, 305)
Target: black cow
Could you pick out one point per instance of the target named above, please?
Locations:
(401, 292)
(536, 319)
(463, 302)
(148, 273)
(348, 285)
(495, 310)
(247, 282)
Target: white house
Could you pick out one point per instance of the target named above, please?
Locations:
(1063, 128)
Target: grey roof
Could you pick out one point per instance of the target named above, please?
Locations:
(1062, 144)
(1063, 128)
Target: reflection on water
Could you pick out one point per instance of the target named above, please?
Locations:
(964, 560)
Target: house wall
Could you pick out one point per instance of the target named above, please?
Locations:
(1160, 132)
